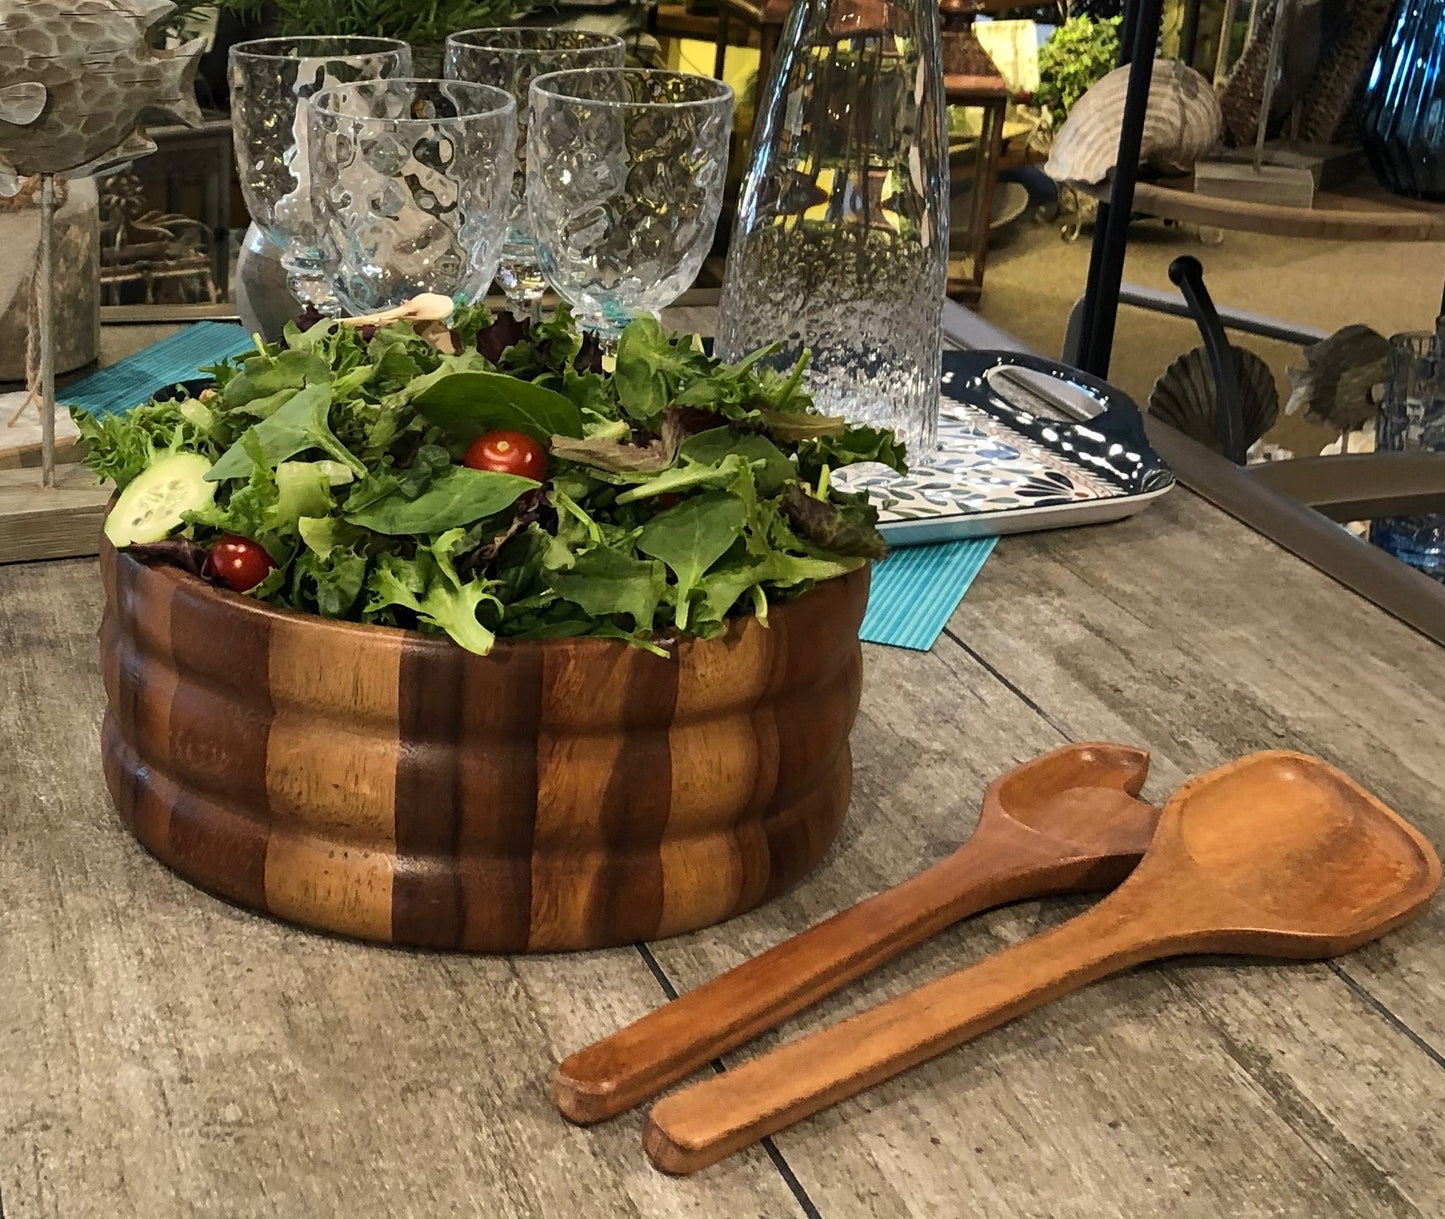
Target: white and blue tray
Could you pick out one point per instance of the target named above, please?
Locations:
(1024, 443)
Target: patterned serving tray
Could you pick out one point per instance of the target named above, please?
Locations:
(1024, 443)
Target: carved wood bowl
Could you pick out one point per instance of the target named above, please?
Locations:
(557, 794)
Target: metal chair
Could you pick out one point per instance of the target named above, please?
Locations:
(1350, 487)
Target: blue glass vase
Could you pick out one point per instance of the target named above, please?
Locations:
(1402, 125)
(1412, 419)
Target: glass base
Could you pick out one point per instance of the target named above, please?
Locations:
(309, 286)
(520, 279)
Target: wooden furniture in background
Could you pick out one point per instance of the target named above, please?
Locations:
(65, 521)
(1066, 822)
(971, 79)
(191, 172)
(556, 794)
(760, 23)
(1362, 211)
(1277, 854)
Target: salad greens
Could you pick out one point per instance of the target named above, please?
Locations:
(679, 490)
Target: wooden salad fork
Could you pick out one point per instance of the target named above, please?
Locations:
(1067, 821)
(1277, 854)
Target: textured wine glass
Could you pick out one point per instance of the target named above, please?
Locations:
(270, 78)
(510, 58)
(412, 180)
(625, 172)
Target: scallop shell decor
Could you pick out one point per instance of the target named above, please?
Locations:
(1184, 397)
(1183, 123)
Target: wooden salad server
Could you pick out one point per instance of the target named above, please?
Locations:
(1067, 821)
(1277, 854)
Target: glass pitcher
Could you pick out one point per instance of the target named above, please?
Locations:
(841, 239)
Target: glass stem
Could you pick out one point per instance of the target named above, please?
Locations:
(525, 306)
(606, 340)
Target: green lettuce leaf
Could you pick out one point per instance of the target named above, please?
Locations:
(771, 466)
(303, 488)
(430, 587)
(691, 537)
(651, 366)
(605, 581)
(466, 404)
(265, 377)
(298, 426)
(456, 497)
(330, 584)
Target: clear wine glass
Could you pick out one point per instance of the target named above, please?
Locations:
(625, 171)
(270, 78)
(412, 183)
(510, 58)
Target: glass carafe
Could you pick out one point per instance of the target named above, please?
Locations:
(841, 239)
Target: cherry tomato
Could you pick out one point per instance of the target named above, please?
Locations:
(507, 453)
(239, 563)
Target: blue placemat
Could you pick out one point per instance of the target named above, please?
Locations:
(917, 588)
(128, 383)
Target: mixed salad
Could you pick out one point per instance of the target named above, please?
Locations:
(485, 478)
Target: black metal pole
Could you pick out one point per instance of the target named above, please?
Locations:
(1080, 356)
(1128, 30)
(1189, 34)
(1187, 275)
(1111, 228)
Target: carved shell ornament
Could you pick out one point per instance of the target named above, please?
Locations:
(1185, 397)
(76, 79)
(1182, 123)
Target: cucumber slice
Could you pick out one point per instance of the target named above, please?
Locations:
(151, 506)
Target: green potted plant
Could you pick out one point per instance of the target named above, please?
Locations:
(425, 24)
(1079, 53)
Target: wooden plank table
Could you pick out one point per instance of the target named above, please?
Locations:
(1361, 210)
(168, 1055)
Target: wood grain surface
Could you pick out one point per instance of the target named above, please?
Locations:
(553, 795)
(170, 1056)
(1276, 854)
(1068, 821)
(1363, 212)
(1196, 1088)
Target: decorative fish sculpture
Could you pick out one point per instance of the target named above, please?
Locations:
(1341, 383)
(76, 78)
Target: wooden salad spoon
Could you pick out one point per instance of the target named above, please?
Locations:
(1068, 821)
(1277, 854)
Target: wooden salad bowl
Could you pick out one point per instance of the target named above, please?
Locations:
(556, 794)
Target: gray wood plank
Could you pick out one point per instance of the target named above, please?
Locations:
(1190, 1090)
(168, 1055)
(174, 1056)
(1187, 632)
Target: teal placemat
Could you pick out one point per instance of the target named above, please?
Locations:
(128, 383)
(917, 588)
